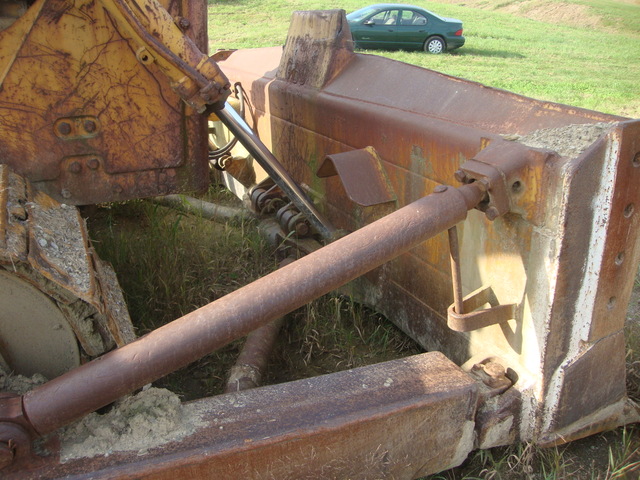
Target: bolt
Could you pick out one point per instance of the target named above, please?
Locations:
(64, 128)
(184, 23)
(494, 369)
(93, 163)
(65, 193)
(117, 188)
(75, 167)
(90, 126)
(492, 213)
(461, 176)
(302, 228)
(440, 189)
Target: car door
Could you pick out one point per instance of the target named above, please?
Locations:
(378, 31)
(412, 29)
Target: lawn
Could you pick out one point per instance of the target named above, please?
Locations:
(585, 54)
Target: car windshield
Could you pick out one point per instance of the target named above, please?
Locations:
(362, 13)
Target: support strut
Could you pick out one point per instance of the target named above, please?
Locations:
(175, 345)
(239, 128)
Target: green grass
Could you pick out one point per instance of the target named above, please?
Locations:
(169, 264)
(584, 66)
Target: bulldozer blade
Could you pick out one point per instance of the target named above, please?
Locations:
(400, 419)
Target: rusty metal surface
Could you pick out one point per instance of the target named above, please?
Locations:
(253, 359)
(551, 213)
(475, 314)
(247, 372)
(361, 175)
(95, 124)
(456, 280)
(189, 338)
(401, 419)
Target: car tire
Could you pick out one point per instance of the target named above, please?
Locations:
(434, 45)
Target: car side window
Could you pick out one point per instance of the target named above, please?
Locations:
(418, 19)
(386, 17)
(407, 17)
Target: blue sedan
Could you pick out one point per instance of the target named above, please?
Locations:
(396, 26)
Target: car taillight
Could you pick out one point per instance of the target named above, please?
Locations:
(458, 33)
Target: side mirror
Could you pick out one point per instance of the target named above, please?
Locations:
(369, 22)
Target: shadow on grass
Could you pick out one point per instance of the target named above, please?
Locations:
(475, 52)
(487, 52)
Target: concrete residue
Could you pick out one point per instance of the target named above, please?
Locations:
(568, 141)
(151, 418)
(19, 384)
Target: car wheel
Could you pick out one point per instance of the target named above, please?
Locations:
(434, 45)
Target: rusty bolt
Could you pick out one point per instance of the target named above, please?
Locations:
(461, 176)
(492, 213)
(302, 228)
(90, 126)
(93, 163)
(184, 23)
(64, 128)
(65, 193)
(440, 189)
(494, 369)
(75, 167)
(117, 188)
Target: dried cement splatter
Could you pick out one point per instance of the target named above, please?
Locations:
(149, 419)
(569, 141)
(55, 229)
(19, 384)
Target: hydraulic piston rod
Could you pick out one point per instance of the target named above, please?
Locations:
(175, 345)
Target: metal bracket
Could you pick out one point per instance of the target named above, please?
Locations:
(362, 176)
(511, 173)
(475, 319)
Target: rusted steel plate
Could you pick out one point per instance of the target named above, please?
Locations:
(361, 175)
(401, 419)
(564, 206)
(94, 124)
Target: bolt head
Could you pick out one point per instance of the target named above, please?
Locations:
(90, 126)
(75, 167)
(492, 213)
(64, 128)
(460, 176)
